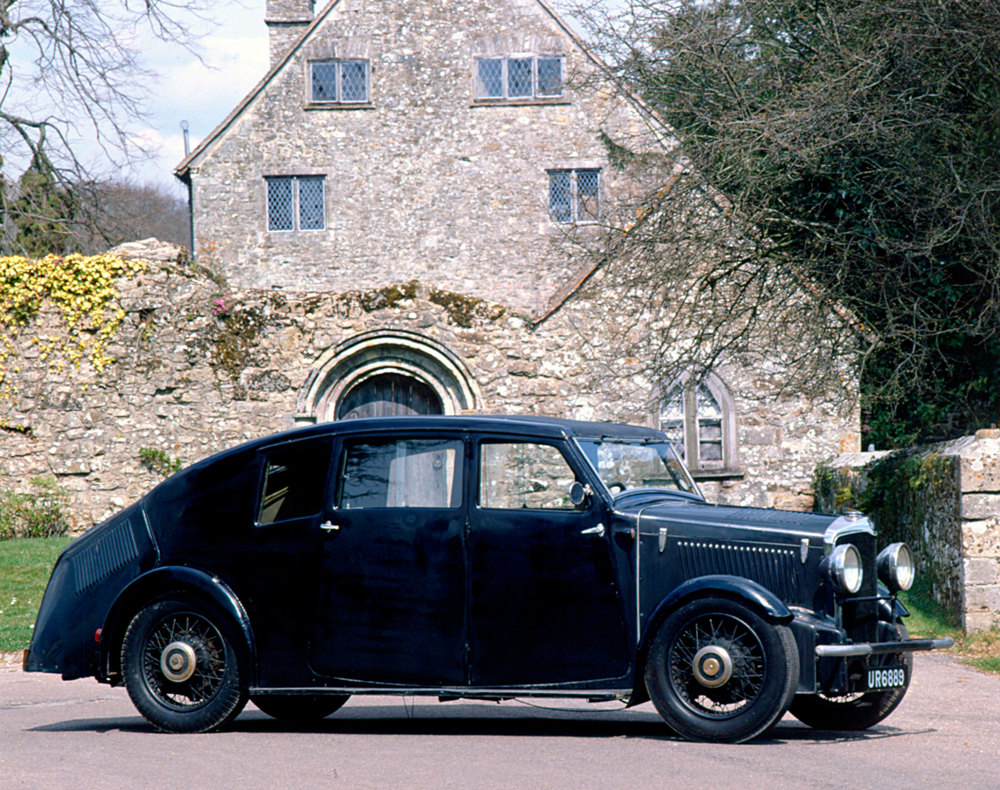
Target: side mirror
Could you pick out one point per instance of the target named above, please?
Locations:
(578, 493)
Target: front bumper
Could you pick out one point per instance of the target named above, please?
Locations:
(883, 648)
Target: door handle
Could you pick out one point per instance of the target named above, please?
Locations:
(598, 530)
(329, 526)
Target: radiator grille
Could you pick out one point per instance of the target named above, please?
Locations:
(108, 553)
(772, 568)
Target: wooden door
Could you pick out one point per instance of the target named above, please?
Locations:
(388, 395)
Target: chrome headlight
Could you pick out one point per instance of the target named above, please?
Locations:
(844, 566)
(895, 567)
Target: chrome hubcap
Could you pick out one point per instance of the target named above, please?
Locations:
(177, 662)
(712, 666)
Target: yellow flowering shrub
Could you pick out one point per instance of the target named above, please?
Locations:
(82, 288)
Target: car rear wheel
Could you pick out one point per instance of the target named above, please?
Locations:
(181, 668)
(299, 708)
(855, 711)
(717, 671)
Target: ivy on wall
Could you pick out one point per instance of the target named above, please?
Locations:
(81, 288)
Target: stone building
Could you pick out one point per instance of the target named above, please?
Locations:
(399, 218)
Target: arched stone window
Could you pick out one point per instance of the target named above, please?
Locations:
(700, 419)
(386, 372)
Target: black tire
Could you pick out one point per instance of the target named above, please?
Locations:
(854, 711)
(299, 708)
(181, 667)
(717, 671)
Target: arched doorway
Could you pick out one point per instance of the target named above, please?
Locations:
(387, 395)
(386, 372)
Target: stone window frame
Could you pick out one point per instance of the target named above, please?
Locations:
(338, 103)
(296, 206)
(576, 214)
(505, 99)
(703, 469)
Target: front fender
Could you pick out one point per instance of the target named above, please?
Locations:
(163, 582)
(747, 592)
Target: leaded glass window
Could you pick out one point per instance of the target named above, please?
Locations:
(354, 81)
(561, 195)
(549, 77)
(489, 78)
(280, 210)
(519, 82)
(574, 195)
(521, 77)
(296, 203)
(311, 204)
(339, 81)
(588, 194)
(324, 80)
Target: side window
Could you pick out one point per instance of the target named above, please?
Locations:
(293, 481)
(380, 473)
(523, 475)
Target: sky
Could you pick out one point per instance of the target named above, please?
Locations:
(234, 55)
(200, 85)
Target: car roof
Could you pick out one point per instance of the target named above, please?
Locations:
(503, 423)
(511, 424)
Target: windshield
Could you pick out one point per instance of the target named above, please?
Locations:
(623, 465)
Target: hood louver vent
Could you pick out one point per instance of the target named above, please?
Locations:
(772, 568)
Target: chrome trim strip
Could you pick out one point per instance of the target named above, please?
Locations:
(881, 648)
(638, 551)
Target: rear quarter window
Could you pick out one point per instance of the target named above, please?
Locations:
(293, 482)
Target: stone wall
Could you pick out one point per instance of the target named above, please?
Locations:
(200, 367)
(944, 501)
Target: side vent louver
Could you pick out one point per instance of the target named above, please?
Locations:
(770, 567)
(110, 552)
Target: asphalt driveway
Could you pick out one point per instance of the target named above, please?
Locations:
(82, 734)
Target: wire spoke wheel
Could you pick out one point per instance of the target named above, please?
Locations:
(181, 667)
(720, 637)
(198, 651)
(718, 671)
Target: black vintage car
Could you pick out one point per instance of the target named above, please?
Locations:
(477, 557)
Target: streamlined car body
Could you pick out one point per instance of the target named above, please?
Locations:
(477, 557)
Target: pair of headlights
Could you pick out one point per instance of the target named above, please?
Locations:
(894, 565)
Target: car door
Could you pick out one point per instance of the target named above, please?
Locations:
(544, 603)
(391, 605)
(272, 570)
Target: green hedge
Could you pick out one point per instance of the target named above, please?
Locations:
(40, 513)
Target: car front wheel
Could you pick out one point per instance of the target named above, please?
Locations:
(717, 671)
(181, 668)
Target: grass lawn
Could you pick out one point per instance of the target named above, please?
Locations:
(25, 565)
(930, 618)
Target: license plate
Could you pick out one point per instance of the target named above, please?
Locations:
(886, 677)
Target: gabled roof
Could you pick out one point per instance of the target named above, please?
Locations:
(182, 171)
